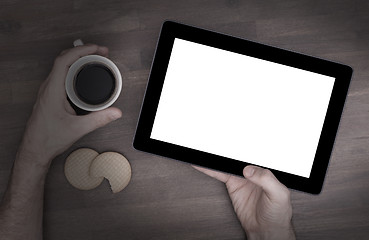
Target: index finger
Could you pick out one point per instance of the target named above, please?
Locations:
(68, 57)
(214, 174)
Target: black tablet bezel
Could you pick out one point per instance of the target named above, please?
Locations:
(171, 30)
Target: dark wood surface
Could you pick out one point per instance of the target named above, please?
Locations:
(167, 199)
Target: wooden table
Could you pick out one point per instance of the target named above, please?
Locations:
(167, 199)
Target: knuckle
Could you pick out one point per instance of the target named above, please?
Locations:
(286, 193)
(58, 60)
(101, 121)
(266, 174)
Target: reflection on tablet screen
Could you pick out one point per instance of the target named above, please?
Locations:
(242, 107)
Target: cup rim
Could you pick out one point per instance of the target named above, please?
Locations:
(76, 66)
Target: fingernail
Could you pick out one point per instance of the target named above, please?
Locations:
(249, 171)
(116, 115)
(77, 43)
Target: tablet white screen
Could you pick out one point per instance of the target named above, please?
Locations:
(242, 107)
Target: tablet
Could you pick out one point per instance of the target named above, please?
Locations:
(223, 102)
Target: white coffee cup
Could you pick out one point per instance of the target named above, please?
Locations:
(74, 70)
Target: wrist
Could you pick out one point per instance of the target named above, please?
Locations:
(32, 156)
(274, 234)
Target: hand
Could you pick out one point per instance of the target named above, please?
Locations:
(260, 201)
(54, 125)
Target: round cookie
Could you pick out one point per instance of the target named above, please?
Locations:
(77, 169)
(114, 167)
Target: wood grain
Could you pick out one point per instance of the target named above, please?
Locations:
(167, 199)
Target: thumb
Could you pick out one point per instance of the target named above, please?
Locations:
(95, 120)
(267, 181)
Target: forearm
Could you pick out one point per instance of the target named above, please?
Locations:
(21, 211)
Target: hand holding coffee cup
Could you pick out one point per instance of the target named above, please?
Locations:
(93, 83)
(53, 125)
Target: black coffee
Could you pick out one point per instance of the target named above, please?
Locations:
(94, 84)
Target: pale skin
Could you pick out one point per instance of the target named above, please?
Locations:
(51, 129)
(261, 202)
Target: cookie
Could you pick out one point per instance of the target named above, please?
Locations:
(114, 167)
(77, 167)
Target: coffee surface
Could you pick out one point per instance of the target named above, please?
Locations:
(94, 84)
